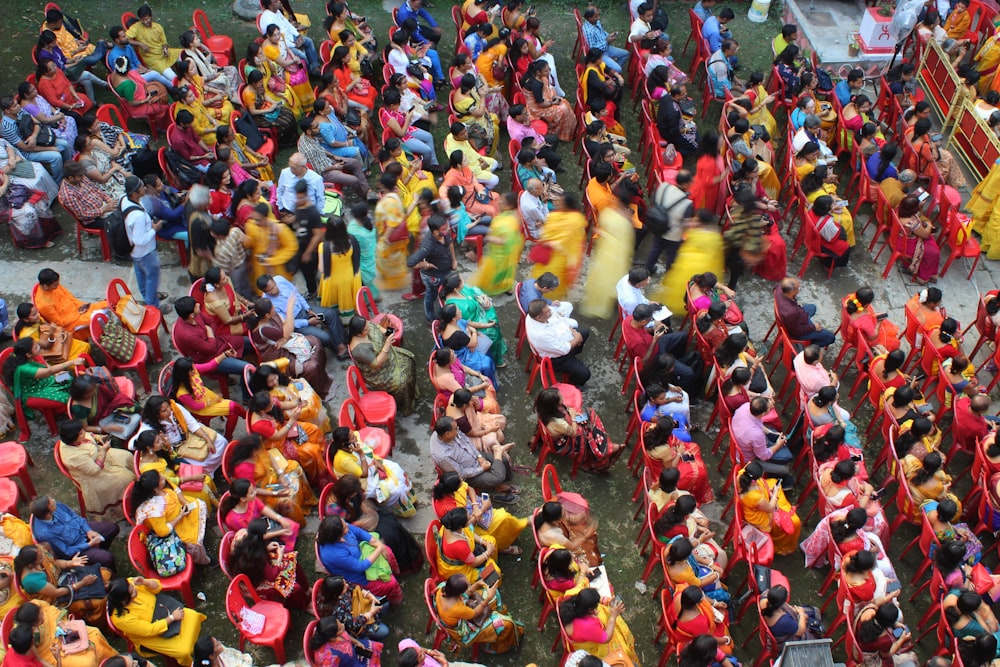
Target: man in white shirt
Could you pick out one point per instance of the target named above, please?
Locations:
(810, 131)
(641, 31)
(630, 288)
(141, 231)
(534, 211)
(298, 43)
(552, 336)
(298, 170)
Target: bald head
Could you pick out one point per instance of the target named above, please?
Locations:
(534, 186)
(980, 403)
(907, 176)
(789, 285)
(297, 163)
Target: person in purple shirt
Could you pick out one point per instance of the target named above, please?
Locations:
(757, 442)
(339, 547)
(69, 534)
(796, 318)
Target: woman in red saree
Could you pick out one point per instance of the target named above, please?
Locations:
(877, 329)
(710, 171)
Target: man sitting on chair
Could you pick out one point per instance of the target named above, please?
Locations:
(559, 338)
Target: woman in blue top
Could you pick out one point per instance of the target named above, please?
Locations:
(789, 622)
(348, 551)
(879, 164)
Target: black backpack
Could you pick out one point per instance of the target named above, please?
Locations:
(186, 172)
(114, 228)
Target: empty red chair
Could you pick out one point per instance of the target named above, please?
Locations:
(14, 462)
(276, 618)
(221, 46)
(378, 407)
(365, 306)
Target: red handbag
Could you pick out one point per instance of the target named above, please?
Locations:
(540, 253)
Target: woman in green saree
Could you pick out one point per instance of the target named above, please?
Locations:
(27, 375)
(476, 307)
(384, 366)
(498, 269)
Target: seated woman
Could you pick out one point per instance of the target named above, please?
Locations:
(185, 436)
(695, 614)
(461, 551)
(927, 480)
(291, 392)
(882, 637)
(865, 582)
(102, 472)
(478, 310)
(736, 391)
(823, 181)
(832, 238)
(941, 515)
(736, 352)
(705, 289)
(164, 511)
(886, 368)
(474, 617)
(449, 375)
(665, 492)
(685, 566)
(850, 532)
(383, 480)
(471, 347)
(28, 375)
(957, 573)
(360, 91)
(918, 438)
(188, 389)
(830, 447)
(383, 365)
(224, 310)
(29, 325)
(279, 482)
(244, 163)
(296, 440)
(338, 545)
(145, 100)
(576, 434)
(485, 430)
(968, 615)
(596, 627)
(841, 489)
(562, 575)
(470, 109)
(663, 447)
(103, 407)
(671, 401)
(765, 507)
(349, 503)
(918, 242)
(152, 452)
(336, 597)
(856, 114)
(331, 645)
(879, 331)
(680, 519)
(946, 342)
(477, 199)
(38, 573)
(962, 378)
(275, 339)
(213, 100)
(824, 409)
(450, 493)
(275, 573)
(789, 622)
(243, 506)
(133, 604)
(574, 529)
(44, 623)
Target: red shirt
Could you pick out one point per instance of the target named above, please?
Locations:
(186, 144)
(969, 426)
(637, 341)
(193, 341)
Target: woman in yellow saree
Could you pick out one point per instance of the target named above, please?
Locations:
(450, 493)
(596, 626)
(296, 440)
(153, 452)
(288, 67)
(214, 100)
(272, 244)
(390, 215)
(278, 92)
(504, 243)
(45, 620)
(700, 252)
(765, 507)
(456, 545)
(164, 510)
(822, 181)
(291, 392)
(565, 232)
(204, 121)
(475, 614)
(986, 60)
(133, 606)
(280, 483)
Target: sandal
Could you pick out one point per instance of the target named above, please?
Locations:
(513, 550)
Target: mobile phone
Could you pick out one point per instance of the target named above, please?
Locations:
(490, 576)
(856, 457)
(380, 600)
(362, 652)
(617, 599)
(63, 376)
(580, 418)
(594, 574)
(390, 330)
(71, 637)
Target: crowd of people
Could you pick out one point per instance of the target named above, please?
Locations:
(357, 107)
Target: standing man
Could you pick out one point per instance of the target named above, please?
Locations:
(675, 200)
(141, 231)
(435, 258)
(309, 230)
(598, 38)
(52, 156)
(296, 42)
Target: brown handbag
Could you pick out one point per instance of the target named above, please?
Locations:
(55, 343)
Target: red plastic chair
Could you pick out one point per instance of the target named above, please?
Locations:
(352, 417)
(151, 321)
(276, 618)
(270, 146)
(49, 409)
(220, 45)
(961, 243)
(140, 356)
(14, 462)
(92, 231)
(139, 555)
(225, 547)
(9, 494)
(310, 631)
(814, 248)
(378, 407)
(365, 306)
(126, 113)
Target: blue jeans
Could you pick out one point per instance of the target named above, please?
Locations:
(331, 334)
(4, 316)
(54, 158)
(147, 275)
(822, 338)
(433, 284)
(422, 143)
(97, 57)
(308, 53)
(435, 64)
(234, 366)
(616, 58)
(153, 75)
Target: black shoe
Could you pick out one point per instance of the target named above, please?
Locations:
(504, 498)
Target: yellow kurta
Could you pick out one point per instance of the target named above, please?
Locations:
(784, 543)
(207, 493)
(986, 214)
(271, 247)
(391, 258)
(339, 284)
(77, 348)
(138, 625)
(204, 121)
(155, 39)
(474, 158)
(190, 529)
(612, 256)
(98, 651)
(504, 528)
(566, 232)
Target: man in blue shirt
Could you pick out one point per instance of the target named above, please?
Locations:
(52, 156)
(703, 8)
(323, 323)
(714, 31)
(852, 85)
(70, 534)
(427, 27)
(538, 288)
(598, 38)
(123, 48)
(298, 170)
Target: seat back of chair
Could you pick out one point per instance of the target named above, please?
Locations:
(236, 598)
(138, 553)
(163, 381)
(550, 483)
(225, 547)
(431, 549)
(350, 415)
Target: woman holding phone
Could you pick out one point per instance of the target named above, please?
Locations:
(163, 510)
(475, 614)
